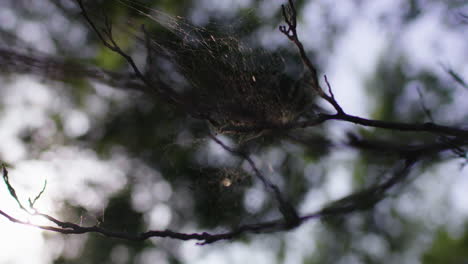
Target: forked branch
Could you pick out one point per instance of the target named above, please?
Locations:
(290, 31)
(287, 209)
(361, 200)
(107, 39)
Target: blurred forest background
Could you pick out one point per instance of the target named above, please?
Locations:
(73, 113)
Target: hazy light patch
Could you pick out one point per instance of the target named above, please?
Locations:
(354, 59)
(458, 196)
(11, 149)
(28, 97)
(55, 245)
(77, 175)
(58, 23)
(428, 42)
(254, 199)
(407, 205)
(375, 9)
(218, 8)
(147, 181)
(141, 198)
(162, 191)
(311, 28)
(301, 242)
(190, 251)
(7, 19)
(214, 154)
(425, 206)
(258, 251)
(343, 12)
(159, 217)
(149, 256)
(74, 246)
(110, 92)
(313, 174)
(350, 259)
(96, 106)
(76, 123)
(36, 35)
(267, 8)
(29, 178)
(225, 5)
(338, 182)
(374, 245)
(21, 244)
(72, 174)
(120, 254)
(270, 39)
(274, 158)
(146, 193)
(26, 105)
(314, 200)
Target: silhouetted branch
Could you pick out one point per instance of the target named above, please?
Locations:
(424, 127)
(457, 78)
(290, 17)
(411, 150)
(107, 39)
(290, 31)
(10, 188)
(286, 209)
(369, 197)
(361, 200)
(322, 118)
(55, 69)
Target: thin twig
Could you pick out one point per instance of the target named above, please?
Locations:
(408, 151)
(286, 209)
(331, 99)
(33, 202)
(107, 40)
(322, 118)
(361, 200)
(423, 104)
(10, 188)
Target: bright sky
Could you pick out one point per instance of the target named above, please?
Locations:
(427, 42)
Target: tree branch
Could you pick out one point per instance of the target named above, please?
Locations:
(287, 210)
(290, 31)
(290, 17)
(361, 200)
(107, 39)
(412, 150)
(322, 118)
(55, 69)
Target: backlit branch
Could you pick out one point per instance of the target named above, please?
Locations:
(362, 200)
(287, 210)
(107, 39)
(289, 30)
(412, 150)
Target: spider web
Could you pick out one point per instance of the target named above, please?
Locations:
(221, 78)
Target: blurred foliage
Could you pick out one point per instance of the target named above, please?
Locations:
(212, 192)
(447, 249)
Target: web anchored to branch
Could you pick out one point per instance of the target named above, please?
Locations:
(247, 91)
(247, 94)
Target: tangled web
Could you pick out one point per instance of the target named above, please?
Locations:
(226, 82)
